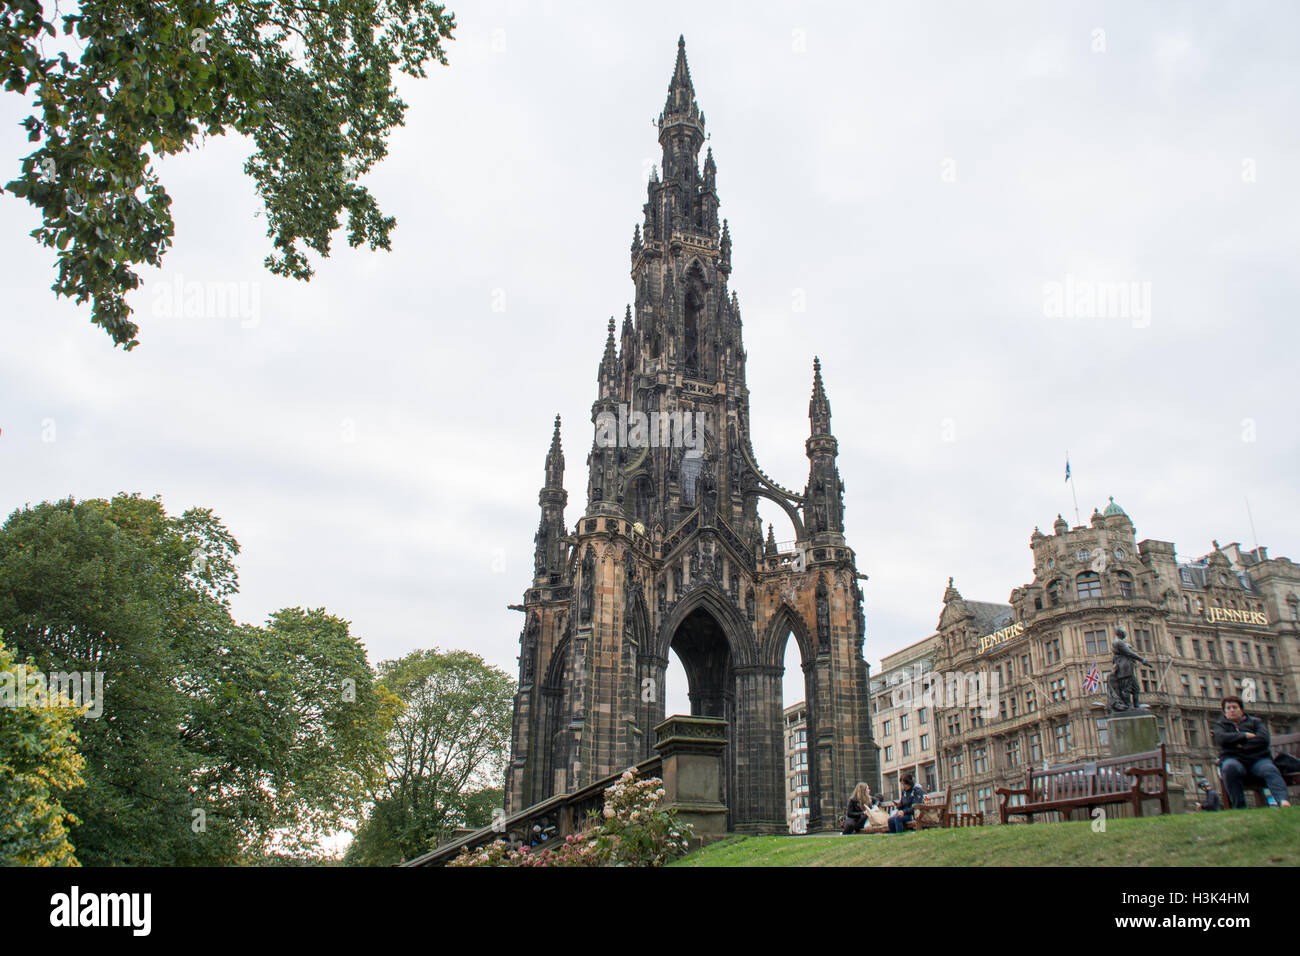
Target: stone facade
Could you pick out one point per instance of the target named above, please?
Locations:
(669, 551)
(796, 767)
(1225, 623)
(905, 729)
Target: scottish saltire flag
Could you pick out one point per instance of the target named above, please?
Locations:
(1067, 468)
(1092, 680)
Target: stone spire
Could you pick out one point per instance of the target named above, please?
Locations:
(555, 460)
(824, 497)
(819, 407)
(549, 547)
(608, 376)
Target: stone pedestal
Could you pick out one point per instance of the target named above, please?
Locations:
(1136, 733)
(1132, 733)
(692, 748)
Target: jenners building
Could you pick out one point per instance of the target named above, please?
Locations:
(1226, 623)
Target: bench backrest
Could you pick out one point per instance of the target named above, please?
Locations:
(1091, 779)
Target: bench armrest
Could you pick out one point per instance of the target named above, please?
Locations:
(1011, 791)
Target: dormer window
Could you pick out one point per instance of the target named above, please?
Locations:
(1084, 554)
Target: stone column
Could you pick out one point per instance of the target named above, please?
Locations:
(692, 750)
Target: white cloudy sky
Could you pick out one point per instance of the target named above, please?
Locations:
(915, 173)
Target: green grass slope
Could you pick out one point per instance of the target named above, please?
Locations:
(1243, 838)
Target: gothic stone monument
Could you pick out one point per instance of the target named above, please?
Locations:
(669, 551)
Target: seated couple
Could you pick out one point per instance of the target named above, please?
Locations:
(864, 808)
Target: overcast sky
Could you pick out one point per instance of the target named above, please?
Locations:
(905, 184)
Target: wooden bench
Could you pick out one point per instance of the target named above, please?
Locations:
(929, 815)
(1084, 786)
(1283, 743)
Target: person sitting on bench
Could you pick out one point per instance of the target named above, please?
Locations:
(905, 809)
(1243, 750)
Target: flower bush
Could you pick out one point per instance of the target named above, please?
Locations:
(633, 829)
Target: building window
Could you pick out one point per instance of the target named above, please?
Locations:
(1205, 687)
(1088, 585)
(955, 762)
(1062, 737)
(1145, 640)
(1230, 651)
(1031, 704)
(1267, 695)
(902, 722)
(1178, 645)
(1272, 656)
(889, 753)
(1035, 747)
(925, 741)
(959, 803)
(1193, 734)
(1218, 689)
(886, 728)
(1094, 642)
(1024, 664)
(1187, 685)
(1196, 648)
(1103, 731)
(801, 736)
(984, 799)
(921, 717)
(1259, 656)
(1013, 752)
(1014, 704)
(1211, 650)
(980, 758)
(1054, 592)
(1125, 584)
(1148, 680)
(1056, 650)
(1057, 689)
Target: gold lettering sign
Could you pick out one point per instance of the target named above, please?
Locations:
(1001, 636)
(1231, 616)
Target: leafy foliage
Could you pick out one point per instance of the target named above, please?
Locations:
(38, 759)
(216, 740)
(632, 829)
(446, 754)
(310, 84)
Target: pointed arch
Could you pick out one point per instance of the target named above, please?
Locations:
(735, 627)
(786, 621)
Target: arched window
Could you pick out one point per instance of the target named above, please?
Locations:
(1054, 592)
(1125, 581)
(1089, 585)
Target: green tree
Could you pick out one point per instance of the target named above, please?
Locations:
(310, 84)
(446, 754)
(215, 740)
(38, 759)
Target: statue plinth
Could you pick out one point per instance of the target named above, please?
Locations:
(1132, 733)
(692, 750)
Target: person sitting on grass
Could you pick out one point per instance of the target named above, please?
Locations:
(1243, 750)
(1211, 800)
(904, 810)
(856, 815)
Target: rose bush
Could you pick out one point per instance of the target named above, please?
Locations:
(633, 829)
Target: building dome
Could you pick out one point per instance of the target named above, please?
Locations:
(1113, 509)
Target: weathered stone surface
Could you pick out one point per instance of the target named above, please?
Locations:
(669, 552)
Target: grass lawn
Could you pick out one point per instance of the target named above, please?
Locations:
(1242, 838)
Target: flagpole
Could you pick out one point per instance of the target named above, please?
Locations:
(1069, 476)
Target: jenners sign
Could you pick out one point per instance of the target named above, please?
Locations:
(1001, 636)
(1228, 615)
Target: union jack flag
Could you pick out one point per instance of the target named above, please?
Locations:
(1092, 680)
